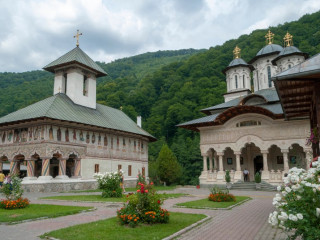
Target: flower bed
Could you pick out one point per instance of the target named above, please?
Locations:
(298, 203)
(14, 204)
(219, 195)
(13, 191)
(143, 207)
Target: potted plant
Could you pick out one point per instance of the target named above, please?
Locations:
(257, 179)
(228, 179)
(197, 183)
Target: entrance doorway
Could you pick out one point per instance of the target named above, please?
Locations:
(258, 164)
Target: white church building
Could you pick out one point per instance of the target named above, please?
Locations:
(249, 130)
(68, 137)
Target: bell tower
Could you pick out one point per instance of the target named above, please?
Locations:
(75, 75)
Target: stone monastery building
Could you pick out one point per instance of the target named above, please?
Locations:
(68, 135)
(249, 131)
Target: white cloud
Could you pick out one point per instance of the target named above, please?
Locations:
(33, 32)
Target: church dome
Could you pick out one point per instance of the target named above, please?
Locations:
(289, 51)
(269, 49)
(237, 62)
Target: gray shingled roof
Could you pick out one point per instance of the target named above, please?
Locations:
(61, 107)
(288, 51)
(267, 50)
(75, 55)
(269, 94)
(275, 108)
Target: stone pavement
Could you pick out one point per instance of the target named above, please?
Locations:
(247, 221)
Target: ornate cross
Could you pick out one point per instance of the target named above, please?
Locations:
(269, 37)
(288, 40)
(77, 37)
(236, 52)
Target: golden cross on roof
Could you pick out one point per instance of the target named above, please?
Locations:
(77, 37)
(288, 40)
(269, 37)
(236, 52)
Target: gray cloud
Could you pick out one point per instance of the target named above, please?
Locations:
(33, 33)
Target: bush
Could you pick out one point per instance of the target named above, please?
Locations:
(110, 184)
(298, 203)
(143, 207)
(257, 178)
(12, 187)
(227, 176)
(14, 204)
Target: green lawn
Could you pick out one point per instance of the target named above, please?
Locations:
(38, 210)
(98, 198)
(111, 229)
(205, 203)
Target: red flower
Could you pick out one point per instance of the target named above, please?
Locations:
(146, 191)
(159, 201)
(151, 183)
(138, 190)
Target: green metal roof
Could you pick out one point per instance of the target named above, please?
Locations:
(76, 55)
(61, 107)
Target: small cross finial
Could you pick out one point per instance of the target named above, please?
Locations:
(77, 37)
(288, 40)
(269, 37)
(121, 108)
(236, 52)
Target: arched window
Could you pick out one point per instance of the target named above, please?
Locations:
(243, 82)
(269, 76)
(236, 80)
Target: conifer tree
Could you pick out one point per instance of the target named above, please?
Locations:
(169, 170)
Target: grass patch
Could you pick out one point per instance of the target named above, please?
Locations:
(34, 211)
(83, 191)
(157, 188)
(205, 203)
(111, 229)
(98, 198)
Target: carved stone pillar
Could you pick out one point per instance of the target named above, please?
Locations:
(77, 168)
(215, 164)
(62, 169)
(14, 167)
(238, 173)
(205, 167)
(210, 162)
(30, 170)
(220, 175)
(285, 160)
(265, 173)
(45, 171)
(308, 159)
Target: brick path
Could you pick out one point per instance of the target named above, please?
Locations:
(247, 221)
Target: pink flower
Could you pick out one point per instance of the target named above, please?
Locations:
(138, 190)
(146, 191)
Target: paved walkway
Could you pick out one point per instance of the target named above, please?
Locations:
(247, 221)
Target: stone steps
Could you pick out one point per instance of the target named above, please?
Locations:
(252, 186)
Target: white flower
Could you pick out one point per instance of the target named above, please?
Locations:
(300, 216)
(279, 188)
(293, 217)
(288, 189)
(318, 212)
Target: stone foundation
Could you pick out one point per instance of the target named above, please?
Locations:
(65, 185)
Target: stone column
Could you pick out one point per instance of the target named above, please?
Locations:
(285, 160)
(1, 165)
(77, 168)
(62, 169)
(210, 162)
(238, 173)
(265, 173)
(215, 165)
(204, 174)
(30, 170)
(308, 159)
(220, 175)
(45, 171)
(14, 167)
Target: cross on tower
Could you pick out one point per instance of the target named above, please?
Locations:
(288, 40)
(269, 37)
(77, 37)
(236, 52)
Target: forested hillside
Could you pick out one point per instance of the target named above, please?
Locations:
(173, 93)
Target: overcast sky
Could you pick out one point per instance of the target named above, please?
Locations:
(33, 33)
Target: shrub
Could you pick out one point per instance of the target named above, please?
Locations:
(143, 207)
(257, 178)
(219, 195)
(14, 204)
(298, 203)
(12, 187)
(109, 183)
(227, 176)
